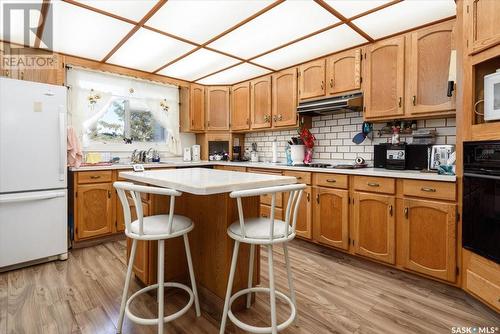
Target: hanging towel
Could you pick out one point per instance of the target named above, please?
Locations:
(75, 154)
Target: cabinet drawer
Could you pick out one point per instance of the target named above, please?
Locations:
(330, 180)
(375, 184)
(267, 198)
(430, 189)
(264, 171)
(302, 177)
(94, 177)
(265, 211)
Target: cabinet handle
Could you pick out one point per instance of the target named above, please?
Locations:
(322, 84)
(109, 194)
(406, 213)
(22, 75)
(390, 210)
(414, 100)
(331, 180)
(94, 177)
(308, 197)
(280, 117)
(317, 198)
(265, 216)
(248, 121)
(331, 83)
(269, 118)
(298, 177)
(7, 73)
(400, 102)
(373, 184)
(275, 118)
(429, 190)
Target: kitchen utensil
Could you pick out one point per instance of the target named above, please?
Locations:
(366, 129)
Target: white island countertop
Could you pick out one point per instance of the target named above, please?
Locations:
(204, 181)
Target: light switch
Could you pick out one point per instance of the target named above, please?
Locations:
(37, 106)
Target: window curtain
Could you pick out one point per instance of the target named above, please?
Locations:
(83, 115)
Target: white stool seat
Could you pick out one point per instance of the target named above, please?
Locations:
(158, 225)
(259, 228)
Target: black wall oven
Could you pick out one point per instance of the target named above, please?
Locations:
(481, 199)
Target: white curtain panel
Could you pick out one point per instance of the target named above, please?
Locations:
(143, 95)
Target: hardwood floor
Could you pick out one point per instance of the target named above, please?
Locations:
(336, 293)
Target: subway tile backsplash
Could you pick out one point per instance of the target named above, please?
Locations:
(334, 137)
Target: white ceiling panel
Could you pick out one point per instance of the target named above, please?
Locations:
(350, 8)
(198, 64)
(17, 25)
(339, 38)
(199, 21)
(284, 23)
(84, 33)
(405, 15)
(130, 9)
(234, 74)
(148, 50)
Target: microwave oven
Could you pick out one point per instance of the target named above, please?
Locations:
(492, 96)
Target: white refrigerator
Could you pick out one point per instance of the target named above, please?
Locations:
(33, 177)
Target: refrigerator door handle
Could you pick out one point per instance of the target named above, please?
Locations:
(15, 198)
(62, 145)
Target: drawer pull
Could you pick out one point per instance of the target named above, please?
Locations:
(94, 177)
(308, 197)
(406, 213)
(298, 177)
(390, 210)
(317, 198)
(331, 180)
(429, 190)
(373, 184)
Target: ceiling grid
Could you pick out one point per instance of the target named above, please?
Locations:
(224, 42)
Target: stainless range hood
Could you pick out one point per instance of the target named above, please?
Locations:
(319, 107)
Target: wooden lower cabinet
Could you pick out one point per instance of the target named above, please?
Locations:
(303, 229)
(429, 238)
(331, 217)
(374, 226)
(95, 210)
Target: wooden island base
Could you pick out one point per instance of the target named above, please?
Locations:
(211, 248)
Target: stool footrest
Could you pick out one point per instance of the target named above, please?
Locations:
(255, 329)
(154, 321)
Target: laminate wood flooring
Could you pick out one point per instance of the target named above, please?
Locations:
(336, 293)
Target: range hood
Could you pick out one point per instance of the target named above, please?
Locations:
(331, 104)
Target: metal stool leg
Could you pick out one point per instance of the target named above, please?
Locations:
(272, 292)
(127, 284)
(161, 273)
(234, 260)
(191, 275)
(250, 273)
(290, 278)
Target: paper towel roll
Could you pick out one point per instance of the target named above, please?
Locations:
(275, 151)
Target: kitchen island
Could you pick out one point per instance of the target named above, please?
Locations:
(206, 201)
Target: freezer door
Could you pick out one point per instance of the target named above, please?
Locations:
(32, 136)
(33, 226)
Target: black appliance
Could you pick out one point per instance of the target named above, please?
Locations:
(396, 157)
(481, 199)
(417, 156)
(380, 155)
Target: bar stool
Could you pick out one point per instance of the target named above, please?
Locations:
(160, 228)
(265, 232)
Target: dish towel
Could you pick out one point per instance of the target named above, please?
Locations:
(75, 154)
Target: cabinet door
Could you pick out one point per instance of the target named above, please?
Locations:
(303, 228)
(218, 108)
(197, 107)
(285, 98)
(142, 254)
(331, 217)
(240, 107)
(429, 238)
(95, 210)
(484, 25)
(374, 226)
(384, 89)
(261, 102)
(312, 79)
(428, 68)
(343, 72)
(53, 75)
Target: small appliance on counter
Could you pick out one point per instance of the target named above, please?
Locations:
(195, 153)
(491, 96)
(380, 155)
(418, 156)
(186, 154)
(237, 151)
(440, 154)
(396, 156)
(254, 155)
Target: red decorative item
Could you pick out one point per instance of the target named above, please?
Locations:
(307, 137)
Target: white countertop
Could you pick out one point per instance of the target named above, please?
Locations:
(382, 172)
(205, 181)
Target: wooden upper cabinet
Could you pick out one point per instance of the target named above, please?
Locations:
(374, 226)
(240, 107)
(331, 217)
(197, 107)
(429, 238)
(261, 102)
(94, 210)
(284, 102)
(343, 72)
(484, 25)
(384, 89)
(312, 79)
(217, 108)
(428, 64)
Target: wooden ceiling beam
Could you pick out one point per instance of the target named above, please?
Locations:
(41, 23)
(138, 26)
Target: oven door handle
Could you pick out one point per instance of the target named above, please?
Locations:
(482, 176)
